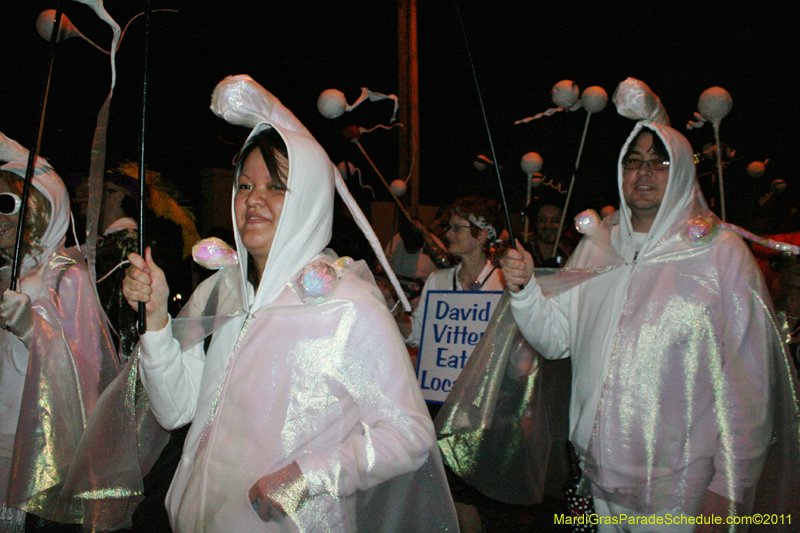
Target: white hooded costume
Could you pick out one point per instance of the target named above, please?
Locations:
(679, 378)
(49, 389)
(328, 385)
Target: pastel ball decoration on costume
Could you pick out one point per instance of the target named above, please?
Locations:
(531, 163)
(594, 99)
(778, 185)
(44, 25)
(331, 103)
(715, 103)
(565, 94)
(214, 254)
(587, 222)
(398, 187)
(756, 169)
(536, 180)
(316, 282)
(700, 230)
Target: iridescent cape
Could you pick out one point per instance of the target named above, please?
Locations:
(681, 382)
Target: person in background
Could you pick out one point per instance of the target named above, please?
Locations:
(475, 224)
(56, 356)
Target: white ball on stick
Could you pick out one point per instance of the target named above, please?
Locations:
(594, 99)
(714, 104)
(531, 163)
(565, 94)
(331, 103)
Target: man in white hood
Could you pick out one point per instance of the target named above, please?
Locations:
(679, 376)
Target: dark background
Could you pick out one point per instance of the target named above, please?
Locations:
(519, 49)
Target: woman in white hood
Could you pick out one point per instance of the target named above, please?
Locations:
(305, 412)
(56, 356)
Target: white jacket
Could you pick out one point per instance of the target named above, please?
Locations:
(675, 353)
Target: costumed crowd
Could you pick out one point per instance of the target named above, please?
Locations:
(648, 373)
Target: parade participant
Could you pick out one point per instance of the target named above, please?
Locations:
(56, 356)
(680, 381)
(547, 217)
(475, 223)
(305, 412)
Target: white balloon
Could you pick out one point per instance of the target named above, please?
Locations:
(565, 94)
(594, 99)
(715, 103)
(756, 169)
(531, 163)
(44, 25)
(331, 103)
(398, 187)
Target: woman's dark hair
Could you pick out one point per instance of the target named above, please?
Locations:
(478, 207)
(269, 142)
(658, 145)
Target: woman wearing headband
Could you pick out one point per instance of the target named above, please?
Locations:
(305, 412)
(56, 356)
(475, 223)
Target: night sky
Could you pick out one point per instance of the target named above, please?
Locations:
(519, 50)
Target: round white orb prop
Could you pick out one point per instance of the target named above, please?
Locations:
(331, 103)
(594, 99)
(531, 163)
(44, 25)
(565, 94)
(756, 169)
(778, 185)
(715, 103)
(398, 187)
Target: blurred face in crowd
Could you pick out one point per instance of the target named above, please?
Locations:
(547, 221)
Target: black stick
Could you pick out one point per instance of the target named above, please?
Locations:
(142, 167)
(34, 151)
(488, 131)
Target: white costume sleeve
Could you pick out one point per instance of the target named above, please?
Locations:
(171, 377)
(544, 322)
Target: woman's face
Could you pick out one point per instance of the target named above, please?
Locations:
(460, 239)
(258, 205)
(8, 224)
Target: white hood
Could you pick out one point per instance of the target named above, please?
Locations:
(306, 221)
(682, 197)
(48, 183)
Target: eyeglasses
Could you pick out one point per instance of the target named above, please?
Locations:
(654, 164)
(9, 203)
(455, 228)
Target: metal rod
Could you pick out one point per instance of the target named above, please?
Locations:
(488, 131)
(571, 185)
(34, 151)
(142, 164)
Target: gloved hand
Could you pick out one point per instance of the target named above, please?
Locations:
(16, 314)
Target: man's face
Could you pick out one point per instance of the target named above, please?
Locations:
(643, 189)
(547, 221)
